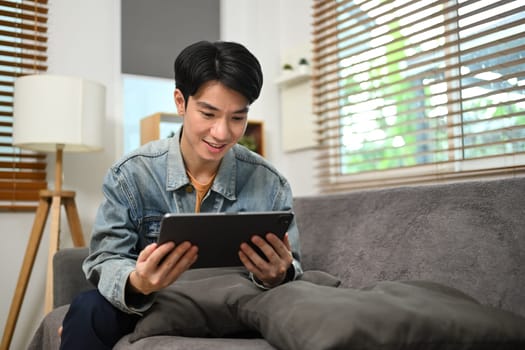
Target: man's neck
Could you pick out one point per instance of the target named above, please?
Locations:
(202, 171)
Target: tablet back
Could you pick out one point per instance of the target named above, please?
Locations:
(219, 235)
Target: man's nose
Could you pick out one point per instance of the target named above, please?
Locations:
(220, 129)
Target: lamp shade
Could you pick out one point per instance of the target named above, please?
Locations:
(51, 110)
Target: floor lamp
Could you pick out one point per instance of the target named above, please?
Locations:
(53, 114)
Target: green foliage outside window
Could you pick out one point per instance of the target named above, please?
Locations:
(405, 127)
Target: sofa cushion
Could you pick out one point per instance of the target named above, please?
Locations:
(46, 336)
(388, 315)
(171, 342)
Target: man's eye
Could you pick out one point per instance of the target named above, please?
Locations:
(207, 114)
(239, 118)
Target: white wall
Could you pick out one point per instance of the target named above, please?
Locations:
(84, 40)
(269, 28)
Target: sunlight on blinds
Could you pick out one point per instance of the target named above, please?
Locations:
(411, 91)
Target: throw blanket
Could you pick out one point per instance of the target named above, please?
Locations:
(312, 313)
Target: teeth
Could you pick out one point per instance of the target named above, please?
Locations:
(215, 145)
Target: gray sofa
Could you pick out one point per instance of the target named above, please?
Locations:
(469, 236)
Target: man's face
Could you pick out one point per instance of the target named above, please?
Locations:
(214, 120)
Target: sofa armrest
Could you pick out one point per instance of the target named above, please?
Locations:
(68, 277)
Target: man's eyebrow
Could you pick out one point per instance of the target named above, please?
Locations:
(206, 105)
(243, 110)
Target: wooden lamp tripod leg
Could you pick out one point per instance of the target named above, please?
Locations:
(54, 243)
(74, 221)
(27, 267)
(48, 200)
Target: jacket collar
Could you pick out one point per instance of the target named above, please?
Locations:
(176, 177)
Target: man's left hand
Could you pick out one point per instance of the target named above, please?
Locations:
(272, 272)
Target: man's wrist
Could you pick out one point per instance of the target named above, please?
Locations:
(290, 276)
(132, 284)
(134, 296)
(130, 288)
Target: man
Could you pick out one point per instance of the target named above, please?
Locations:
(202, 169)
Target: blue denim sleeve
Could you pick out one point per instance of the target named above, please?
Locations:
(113, 254)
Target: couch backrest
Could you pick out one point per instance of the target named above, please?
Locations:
(468, 235)
(68, 277)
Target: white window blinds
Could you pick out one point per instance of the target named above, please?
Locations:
(413, 91)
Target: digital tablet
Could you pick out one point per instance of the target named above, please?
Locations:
(219, 235)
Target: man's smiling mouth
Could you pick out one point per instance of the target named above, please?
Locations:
(215, 145)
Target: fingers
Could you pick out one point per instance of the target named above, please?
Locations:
(282, 248)
(251, 259)
(146, 252)
(287, 242)
(160, 265)
(170, 255)
(273, 248)
(247, 262)
(180, 260)
(273, 271)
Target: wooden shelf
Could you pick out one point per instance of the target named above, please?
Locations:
(255, 130)
(160, 125)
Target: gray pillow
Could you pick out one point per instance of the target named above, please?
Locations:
(320, 278)
(389, 315)
(197, 305)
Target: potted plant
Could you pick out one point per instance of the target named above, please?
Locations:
(304, 66)
(249, 142)
(287, 69)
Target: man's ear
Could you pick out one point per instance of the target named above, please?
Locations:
(179, 102)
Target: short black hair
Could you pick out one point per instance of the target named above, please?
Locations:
(229, 63)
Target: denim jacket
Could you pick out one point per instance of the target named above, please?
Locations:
(150, 182)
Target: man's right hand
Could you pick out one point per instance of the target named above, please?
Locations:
(158, 266)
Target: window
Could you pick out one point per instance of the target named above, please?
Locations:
(414, 91)
(23, 47)
(144, 96)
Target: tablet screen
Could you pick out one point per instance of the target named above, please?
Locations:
(219, 235)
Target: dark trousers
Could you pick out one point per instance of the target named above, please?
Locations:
(93, 323)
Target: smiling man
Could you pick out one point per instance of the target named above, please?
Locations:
(201, 169)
